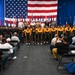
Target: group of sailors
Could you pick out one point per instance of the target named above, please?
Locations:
(38, 34)
(45, 34)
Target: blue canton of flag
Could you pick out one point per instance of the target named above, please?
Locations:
(15, 9)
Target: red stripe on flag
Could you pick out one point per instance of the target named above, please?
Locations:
(42, 5)
(54, 16)
(41, 11)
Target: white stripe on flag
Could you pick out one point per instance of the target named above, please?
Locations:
(42, 8)
(42, 2)
(42, 14)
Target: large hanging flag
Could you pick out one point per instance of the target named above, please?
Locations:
(26, 8)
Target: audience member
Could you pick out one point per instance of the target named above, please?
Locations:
(52, 45)
(13, 49)
(15, 38)
(3, 56)
(5, 45)
(60, 48)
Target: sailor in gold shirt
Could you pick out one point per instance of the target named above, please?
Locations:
(74, 30)
(71, 32)
(40, 32)
(47, 34)
(68, 31)
(60, 31)
(64, 31)
(53, 31)
(28, 35)
(33, 34)
(24, 32)
(37, 27)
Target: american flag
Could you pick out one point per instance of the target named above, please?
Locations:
(30, 9)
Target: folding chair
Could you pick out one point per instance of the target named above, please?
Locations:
(61, 66)
(72, 46)
(14, 43)
(5, 51)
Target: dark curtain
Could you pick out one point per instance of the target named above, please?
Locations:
(2, 12)
(66, 12)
